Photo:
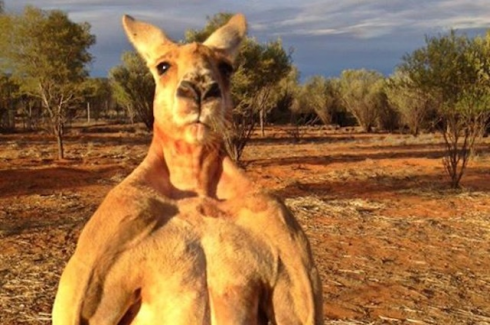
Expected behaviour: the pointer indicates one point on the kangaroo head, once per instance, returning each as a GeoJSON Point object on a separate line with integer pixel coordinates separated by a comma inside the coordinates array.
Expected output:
{"type": "Point", "coordinates": [192, 96]}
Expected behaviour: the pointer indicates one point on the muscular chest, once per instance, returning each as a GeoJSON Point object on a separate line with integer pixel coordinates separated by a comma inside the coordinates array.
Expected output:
{"type": "Point", "coordinates": [226, 242]}
{"type": "Point", "coordinates": [205, 260]}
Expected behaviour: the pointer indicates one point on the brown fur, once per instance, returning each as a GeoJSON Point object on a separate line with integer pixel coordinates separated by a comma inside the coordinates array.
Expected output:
{"type": "Point", "coordinates": [187, 238]}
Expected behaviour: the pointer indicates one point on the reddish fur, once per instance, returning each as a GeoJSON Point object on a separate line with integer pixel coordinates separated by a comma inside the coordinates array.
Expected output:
{"type": "Point", "coordinates": [187, 238]}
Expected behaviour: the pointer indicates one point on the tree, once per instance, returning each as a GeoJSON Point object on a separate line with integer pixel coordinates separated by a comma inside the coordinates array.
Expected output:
{"type": "Point", "coordinates": [388, 117]}
{"type": "Point", "coordinates": [362, 94]}
{"type": "Point", "coordinates": [97, 97]}
{"type": "Point", "coordinates": [412, 103]}
{"type": "Point", "coordinates": [258, 70]}
{"type": "Point", "coordinates": [4, 36]}
{"type": "Point", "coordinates": [320, 96]}
{"type": "Point", "coordinates": [8, 99]}
{"type": "Point", "coordinates": [287, 90]}
{"type": "Point", "coordinates": [133, 87]}
{"type": "Point", "coordinates": [214, 22]}
{"type": "Point", "coordinates": [47, 54]}
{"type": "Point", "coordinates": [455, 71]}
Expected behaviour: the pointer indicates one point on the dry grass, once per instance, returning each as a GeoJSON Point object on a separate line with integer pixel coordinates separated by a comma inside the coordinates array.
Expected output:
{"type": "Point", "coordinates": [393, 244]}
{"type": "Point", "coordinates": [368, 243]}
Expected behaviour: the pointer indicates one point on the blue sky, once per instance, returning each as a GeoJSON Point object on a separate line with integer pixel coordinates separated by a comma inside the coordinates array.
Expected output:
{"type": "Point", "coordinates": [328, 36]}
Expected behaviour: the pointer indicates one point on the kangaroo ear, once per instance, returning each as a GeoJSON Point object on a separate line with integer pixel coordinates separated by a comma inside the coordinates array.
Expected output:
{"type": "Point", "coordinates": [144, 37]}
{"type": "Point", "coordinates": [229, 36]}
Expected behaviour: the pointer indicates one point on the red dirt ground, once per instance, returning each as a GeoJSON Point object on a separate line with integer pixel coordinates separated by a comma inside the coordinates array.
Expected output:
{"type": "Point", "coordinates": [393, 243]}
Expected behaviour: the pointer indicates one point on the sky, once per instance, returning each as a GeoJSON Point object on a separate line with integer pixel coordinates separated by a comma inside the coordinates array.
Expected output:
{"type": "Point", "coordinates": [328, 36]}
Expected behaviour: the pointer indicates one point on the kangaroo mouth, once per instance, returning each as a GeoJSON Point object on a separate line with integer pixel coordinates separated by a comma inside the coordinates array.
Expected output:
{"type": "Point", "coordinates": [198, 123]}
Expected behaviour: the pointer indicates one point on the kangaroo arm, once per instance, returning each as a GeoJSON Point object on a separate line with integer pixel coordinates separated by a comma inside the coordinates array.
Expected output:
{"type": "Point", "coordinates": [105, 241]}
{"type": "Point", "coordinates": [295, 293]}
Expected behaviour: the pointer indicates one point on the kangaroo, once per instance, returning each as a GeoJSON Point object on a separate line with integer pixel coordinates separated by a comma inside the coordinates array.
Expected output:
{"type": "Point", "coordinates": [187, 238]}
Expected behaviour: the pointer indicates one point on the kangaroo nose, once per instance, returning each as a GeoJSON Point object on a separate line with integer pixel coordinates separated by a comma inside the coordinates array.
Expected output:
{"type": "Point", "coordinates": [190, 90]}
{"type": "Point", "coordinates": [212, 91]}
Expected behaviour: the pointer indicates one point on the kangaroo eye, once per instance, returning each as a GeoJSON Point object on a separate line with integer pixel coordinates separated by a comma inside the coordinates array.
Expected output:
{"type": "Point", "coordinates": [225, 69]}
{"type": "Point", "coordinates": [163, 67]}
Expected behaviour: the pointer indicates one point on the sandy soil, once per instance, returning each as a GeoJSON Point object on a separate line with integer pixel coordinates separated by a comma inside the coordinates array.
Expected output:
{"type": "Point", "coordinates": [393, 243]}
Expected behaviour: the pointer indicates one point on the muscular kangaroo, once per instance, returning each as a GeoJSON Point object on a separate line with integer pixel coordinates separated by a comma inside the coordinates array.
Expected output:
{"type": "Point", "coordinates": [186, 238]}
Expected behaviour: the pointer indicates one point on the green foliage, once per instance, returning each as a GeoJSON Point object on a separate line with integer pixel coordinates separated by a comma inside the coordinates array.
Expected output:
{"type": "Point", "coordinates": [98, 94]}
{"type": "Point", "coordinates": [5, 25]}
{"type": "Point", "coordinates": [388, 118]}
{"type": "Point", "coordinates": [255, 83]}
{"type": "Point", "coordinates": [46, 47]}
{"type": "Point", "coordinates": [362, 93]}
{"type": "Point", "coordinates": [133, 87]}
{"type": "Point", "coordinates": [97, 89]}
{"type": "Point", "coordinates": [438, 67]}
{"type": "Point", "coordinates": [8, 98]}
{"type": "Point", "coordinates": [258, 66]}
{"type": "Point", "coordinates": [214, 22]}
{"type": "Point", "coordinates": [412, 103]}
{"type": "Point", "coordinates": [47, 55]}
{"type": "Point", "coordinates": [286, 93]}
{"type": "Point", "coordinates": [320, 96]}
{"type": "Point", "coordinates": [254, 89]}
{"type": "Point", "coordinates": [455, 71]}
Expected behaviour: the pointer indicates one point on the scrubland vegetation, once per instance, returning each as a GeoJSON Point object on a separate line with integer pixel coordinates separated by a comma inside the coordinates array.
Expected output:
{"type": "Point", "coordinates": [357, 157]}
{"type": "Point", "coordinates": [442, 87]}
{"type": "Point", "coordinates": [392, 242]}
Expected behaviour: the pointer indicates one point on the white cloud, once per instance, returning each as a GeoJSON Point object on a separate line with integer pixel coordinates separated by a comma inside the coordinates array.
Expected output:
{"type": "Point", "coordinates": [375, 18]}
{"type": "Point", "coordinates": [324, 32]}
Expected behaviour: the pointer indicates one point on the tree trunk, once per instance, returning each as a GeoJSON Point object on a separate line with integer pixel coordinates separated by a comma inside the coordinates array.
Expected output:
{"type": "Point", "coordinates": [58, 131]}
{"type": "Point", "coordinates": [61, 153]}
{"type": "Point", "coordinates": [88, 112]}
{"type": "Point", "coordinates": [29, 117]}
{"type": "Point", "coordinates": [262, 122]}
{"type": "Point", "coordinates": [368, 128]}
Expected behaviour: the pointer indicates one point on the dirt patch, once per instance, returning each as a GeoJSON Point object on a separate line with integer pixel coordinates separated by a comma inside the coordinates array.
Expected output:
{"type": "Point", "coordinates": [392, 242]}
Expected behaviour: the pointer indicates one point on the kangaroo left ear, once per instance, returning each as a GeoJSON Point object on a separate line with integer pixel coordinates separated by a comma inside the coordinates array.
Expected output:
{"type": "Point", "coordinates": [228, 37]}
{"type": "Point", "coordinates": [145, 37]}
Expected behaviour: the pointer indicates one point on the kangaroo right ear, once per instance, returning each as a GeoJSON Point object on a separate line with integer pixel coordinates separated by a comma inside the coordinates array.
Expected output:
{"type": "Point", "coordinates": [145, 37]}
{"type": "Point", "coordinates": [228, 37]}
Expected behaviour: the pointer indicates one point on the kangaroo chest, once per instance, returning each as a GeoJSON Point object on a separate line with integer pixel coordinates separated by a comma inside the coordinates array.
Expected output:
{"type": "Point", "coordinates": [212, 269]}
